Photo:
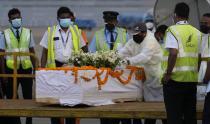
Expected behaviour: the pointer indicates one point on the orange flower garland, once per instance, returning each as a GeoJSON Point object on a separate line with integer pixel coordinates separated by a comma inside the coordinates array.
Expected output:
{"type": "Point", "coordinates": [139, 73]}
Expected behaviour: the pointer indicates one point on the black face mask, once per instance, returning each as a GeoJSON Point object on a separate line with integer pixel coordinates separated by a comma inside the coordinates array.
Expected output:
{"type": "Point", "coordinates": [204, 29]}
{"type": "Point", "coordinates": [138, 39]}
{"type": "Point", "coordinates": [110, 27]}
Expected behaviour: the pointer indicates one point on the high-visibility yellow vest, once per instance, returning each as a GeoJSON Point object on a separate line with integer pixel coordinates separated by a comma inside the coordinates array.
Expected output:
{"type": "Point", "coordinates": [51, 33]}
{"type": "Point", "coordinates": [186, 67]}
{"type": "Point", "coordinates": [13, 45]}
{"type": "Point", "coordinates": [101, 43]}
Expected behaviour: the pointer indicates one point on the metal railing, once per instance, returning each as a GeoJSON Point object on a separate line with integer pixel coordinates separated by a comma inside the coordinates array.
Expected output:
{"type": "Point", "coordinates": [15, 74]}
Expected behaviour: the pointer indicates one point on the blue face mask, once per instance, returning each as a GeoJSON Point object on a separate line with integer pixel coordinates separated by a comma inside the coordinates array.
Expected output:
{"type": "Point", "coordinates": [65, 23]}
{"type": "Point", "coordinates": [16, 23]}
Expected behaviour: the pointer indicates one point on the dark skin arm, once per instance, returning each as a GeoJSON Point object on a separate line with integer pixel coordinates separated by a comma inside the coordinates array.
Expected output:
{"type": "Point", "coordinates": [44, 58]}
{"type": "Point", "coordinates": [207, 77]}
{"type": "Point", "coordinates": [171, 63]}
{"type": "Point", "coordinates": [31, 50]}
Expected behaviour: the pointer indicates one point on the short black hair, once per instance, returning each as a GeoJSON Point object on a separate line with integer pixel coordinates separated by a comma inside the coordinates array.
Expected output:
{"type": "Point", "coordinates": [162, 29]}
{"type": "Point", "coordinates": [206, 15]}
{"type": "Point", "coordinates": [182, 10]}
{"type": "Point", "coordinates": [13, 12]}
{"type": "Point", "coordinates": [63, 9]}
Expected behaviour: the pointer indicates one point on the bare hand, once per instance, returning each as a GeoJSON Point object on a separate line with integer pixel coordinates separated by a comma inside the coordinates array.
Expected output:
{"type": "Point", "coordinates": [166, 78]}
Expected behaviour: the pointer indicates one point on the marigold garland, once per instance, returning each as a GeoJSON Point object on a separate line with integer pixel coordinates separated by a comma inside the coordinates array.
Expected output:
{"type": "Point", "coordinates": [98, 75]}
{"type": "Point", "coordinates": [139, 73]}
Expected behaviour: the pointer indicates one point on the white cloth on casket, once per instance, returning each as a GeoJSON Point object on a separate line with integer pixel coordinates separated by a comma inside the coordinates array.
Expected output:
{"type": "Point", "coordinates": [64, 90]}
{"type": "Point", "coordinates": [148, 55]}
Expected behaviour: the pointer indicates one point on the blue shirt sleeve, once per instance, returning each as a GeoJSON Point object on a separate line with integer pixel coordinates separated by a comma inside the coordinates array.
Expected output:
{"type": "Point", "coordinates": [92, 46]}
{"type": "Point", "coordinates": [2, 41]}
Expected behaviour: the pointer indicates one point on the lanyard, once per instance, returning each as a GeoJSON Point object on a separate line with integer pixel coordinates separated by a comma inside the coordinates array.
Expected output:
{"type": "Point", "coordinates": [64, 42]}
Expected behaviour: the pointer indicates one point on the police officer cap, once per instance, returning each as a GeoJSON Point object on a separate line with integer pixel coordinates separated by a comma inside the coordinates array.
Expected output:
{"type": "Point", "coordinates": [110, 15]}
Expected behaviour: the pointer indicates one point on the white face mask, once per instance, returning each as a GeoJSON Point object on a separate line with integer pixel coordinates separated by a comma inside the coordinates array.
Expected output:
{"type": "Point", "coordinates": [150, 25]}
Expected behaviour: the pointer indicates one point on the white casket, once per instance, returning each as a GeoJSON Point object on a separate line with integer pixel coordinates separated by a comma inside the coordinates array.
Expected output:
{"type": "Point", "coordinates": [88, 85]}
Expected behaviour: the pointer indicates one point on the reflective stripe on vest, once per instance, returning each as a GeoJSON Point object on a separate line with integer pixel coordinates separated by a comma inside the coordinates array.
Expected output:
{"type": "Point", "coordinates": [51, 54]}
{"type": "Point", "coordinates": [101, 43]}
{"type": "Point", "coordinates": [13, 45]}
{"type": "Point", "coordinates": [186, 67]}
{"type": "Point", "coordinates": [205, 53]}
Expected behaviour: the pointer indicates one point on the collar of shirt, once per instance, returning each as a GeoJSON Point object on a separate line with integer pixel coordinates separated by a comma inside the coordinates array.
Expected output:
{"type": "Point", "coordinates": [182, 22]}
{"type": "Point", "coordinates": [107, 31]}
{"type": "Point", "coordinates": [14, 30]}
{"type": "Point", "coordinates": [60, 29]}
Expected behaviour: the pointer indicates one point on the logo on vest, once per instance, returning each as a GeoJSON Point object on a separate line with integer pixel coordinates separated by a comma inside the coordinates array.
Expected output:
{"type": "Point", "coordinates": [188, 43]}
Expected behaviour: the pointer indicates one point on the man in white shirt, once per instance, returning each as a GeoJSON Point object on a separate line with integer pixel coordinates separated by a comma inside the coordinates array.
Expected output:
{"type": "Point", "coordinates": [63, 39]}
{"type": "Point", "coordinates": [180, 63]}
{"type": "Point", "coordinates": [205, 29]}
{"type": "Point", "coordinates": [144, 50]}
{"type": "Point", "coordinates": [66, 39]}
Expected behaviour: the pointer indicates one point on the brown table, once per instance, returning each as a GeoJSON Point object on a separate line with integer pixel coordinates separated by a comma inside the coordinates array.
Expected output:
{"type": "Point", "coordinates": [29, 108]}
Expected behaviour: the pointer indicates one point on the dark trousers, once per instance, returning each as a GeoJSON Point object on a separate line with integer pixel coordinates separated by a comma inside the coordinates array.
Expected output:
{"type": "Point", "coordinates": [137, 121]}
{"type": "Point", "coordinates": [115, 121]}
{"type": "Point", "coordinates": [3, 120]}
{"type": "Point", "coordinates": [148, 121]}
{"type": "Point", "coordinates": [26, 84]}
{"type": "Point", "coordinates": [67, 120]}
{"type": "Point", "coordinates": [180, 102]}
{"type": "Point", "coordinates": [153, 121]}
{"type": "Point", "coordinates": [206, 110]}
{"type": "Point", "coordinates": [57, 120]}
